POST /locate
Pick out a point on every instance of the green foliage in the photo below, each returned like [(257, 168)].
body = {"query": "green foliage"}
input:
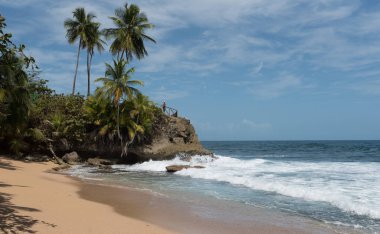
[(38, 87), (118, 110), (32, 115), (117, 83), (129, 33), (136, 117), (61, 116), (17, 145), (15, 98)]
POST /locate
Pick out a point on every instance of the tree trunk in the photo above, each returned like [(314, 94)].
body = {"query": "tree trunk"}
[(88, 73), (118, 132), (76, 68), (92, 54)]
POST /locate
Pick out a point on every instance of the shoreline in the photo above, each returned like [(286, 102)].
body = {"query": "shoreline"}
[(197, 216), (58, 202), (34, 200)]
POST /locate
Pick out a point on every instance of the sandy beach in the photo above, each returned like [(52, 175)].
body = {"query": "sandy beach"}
[(32, 200)]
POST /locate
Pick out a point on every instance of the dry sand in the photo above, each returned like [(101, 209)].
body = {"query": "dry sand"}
[(32, 200)]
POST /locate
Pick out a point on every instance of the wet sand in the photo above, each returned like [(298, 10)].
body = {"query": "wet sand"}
[(198, 216)]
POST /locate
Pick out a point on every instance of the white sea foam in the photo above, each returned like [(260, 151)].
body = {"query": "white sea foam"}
[(350, 186)]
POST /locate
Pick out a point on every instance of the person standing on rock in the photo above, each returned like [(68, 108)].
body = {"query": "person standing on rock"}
[(164, 106)]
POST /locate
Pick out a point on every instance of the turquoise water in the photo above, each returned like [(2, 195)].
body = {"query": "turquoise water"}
[(335, 182)]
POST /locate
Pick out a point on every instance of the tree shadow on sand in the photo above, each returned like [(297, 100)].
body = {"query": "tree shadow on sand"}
[(10, 220), (7, 165)]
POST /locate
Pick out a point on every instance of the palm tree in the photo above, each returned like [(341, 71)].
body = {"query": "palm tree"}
[(78, 28), (129, 34), (94, 40), (118, 86)]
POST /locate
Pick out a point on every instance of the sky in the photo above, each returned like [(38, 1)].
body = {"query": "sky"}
[(238, 69)]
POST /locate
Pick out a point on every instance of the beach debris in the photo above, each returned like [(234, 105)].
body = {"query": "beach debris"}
[(71, 158), (175, 168)]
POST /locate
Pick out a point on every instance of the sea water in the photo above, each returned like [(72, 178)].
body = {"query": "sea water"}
[(334, 182)]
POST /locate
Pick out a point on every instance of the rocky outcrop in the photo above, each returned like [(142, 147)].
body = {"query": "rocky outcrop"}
[(171, 136)]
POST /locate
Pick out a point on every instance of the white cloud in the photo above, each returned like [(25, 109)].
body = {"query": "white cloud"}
[(163, 93), (367, 87), (275, 87)]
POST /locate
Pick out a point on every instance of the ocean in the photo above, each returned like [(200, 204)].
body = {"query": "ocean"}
[(333, 182)]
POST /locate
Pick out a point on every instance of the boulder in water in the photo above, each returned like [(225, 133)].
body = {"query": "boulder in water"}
[(175, 168)]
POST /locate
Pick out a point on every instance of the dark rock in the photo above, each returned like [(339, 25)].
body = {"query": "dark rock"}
[(71, 158), (98, 162), (175, 168)]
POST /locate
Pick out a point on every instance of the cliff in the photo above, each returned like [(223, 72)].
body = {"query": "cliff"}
[(171, 136)]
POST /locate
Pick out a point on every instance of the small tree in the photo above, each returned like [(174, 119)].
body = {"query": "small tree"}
[(118, 86)]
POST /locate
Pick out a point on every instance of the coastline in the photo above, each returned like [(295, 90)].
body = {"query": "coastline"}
[(47, 202), (34, 200)]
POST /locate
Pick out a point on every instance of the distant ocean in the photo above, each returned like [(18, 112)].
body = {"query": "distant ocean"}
[(334, 182)]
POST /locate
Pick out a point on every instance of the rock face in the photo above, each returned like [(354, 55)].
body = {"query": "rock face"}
[(171, 136)]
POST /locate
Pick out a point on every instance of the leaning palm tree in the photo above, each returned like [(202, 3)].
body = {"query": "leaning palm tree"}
[(129, 34), (78, 28), (94, 40), (117, 87)]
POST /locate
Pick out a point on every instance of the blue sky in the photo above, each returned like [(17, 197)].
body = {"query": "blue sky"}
[(239, 70)]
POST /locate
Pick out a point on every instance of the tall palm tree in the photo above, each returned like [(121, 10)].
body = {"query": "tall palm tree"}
[(94, 40), (118, 86), (129, 34), (78, 28)]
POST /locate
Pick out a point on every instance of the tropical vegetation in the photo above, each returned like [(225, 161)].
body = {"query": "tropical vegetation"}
[(34, 118)]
